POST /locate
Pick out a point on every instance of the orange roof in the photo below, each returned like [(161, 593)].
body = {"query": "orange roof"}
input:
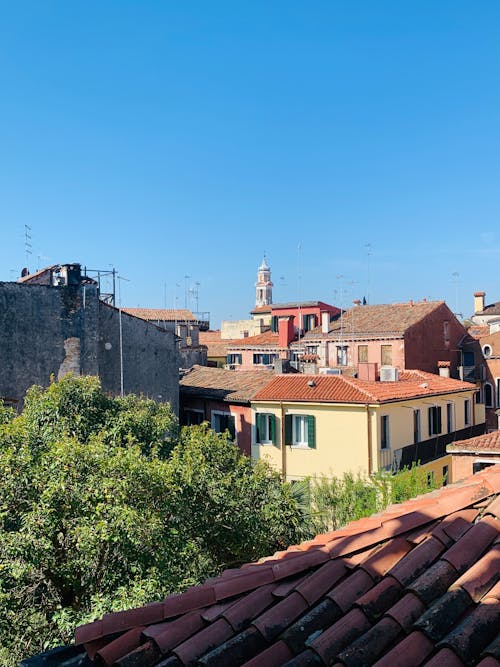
[(261, 309), (482, 444), (221, 384), (162, 314), (267, 339), (478, 330), (342, 389), (418, 584)]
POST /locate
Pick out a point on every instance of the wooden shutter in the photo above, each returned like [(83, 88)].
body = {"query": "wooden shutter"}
[(438, 420), (430, 421), (311, 432), (288, 430), (258, 427), (272, 427), (386, 355)]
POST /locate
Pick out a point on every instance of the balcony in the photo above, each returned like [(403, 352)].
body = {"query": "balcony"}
[(471, 373)]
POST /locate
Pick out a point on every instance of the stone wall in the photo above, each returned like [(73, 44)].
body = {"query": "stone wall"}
[(45, 331)]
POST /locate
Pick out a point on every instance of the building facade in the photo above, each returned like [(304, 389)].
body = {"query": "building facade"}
[(311, 425), (54, 323)]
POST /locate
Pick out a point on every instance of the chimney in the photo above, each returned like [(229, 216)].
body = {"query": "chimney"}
[(357, 302), (444, 369), (286, 332), (325, 323), (411, 302), (479, 301)]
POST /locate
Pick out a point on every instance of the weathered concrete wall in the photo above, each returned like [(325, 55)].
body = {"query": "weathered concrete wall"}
[(150, 357), (45, 331)]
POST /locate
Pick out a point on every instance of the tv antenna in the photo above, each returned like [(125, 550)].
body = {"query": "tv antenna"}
[(28, 248)]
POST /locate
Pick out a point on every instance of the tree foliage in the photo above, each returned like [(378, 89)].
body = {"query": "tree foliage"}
[(105, 505), (337, 500)]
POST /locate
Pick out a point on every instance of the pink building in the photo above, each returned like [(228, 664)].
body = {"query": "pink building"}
[(221, 398), (424, 335)]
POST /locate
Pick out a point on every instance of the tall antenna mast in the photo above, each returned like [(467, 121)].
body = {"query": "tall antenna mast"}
[(299, 295), (456, 280), (368, 246), (27, 245)]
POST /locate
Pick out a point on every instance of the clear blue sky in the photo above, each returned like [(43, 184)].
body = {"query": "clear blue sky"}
[(186, 138)]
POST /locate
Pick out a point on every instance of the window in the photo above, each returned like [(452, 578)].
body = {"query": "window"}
[(384, 432), (434, 420), (498, 392), (264, 358), (481, 465), (311, 349), (386, 355), (446, 333), (300, 431), (222, 422), (309, 322), (265, 428), (192, 417), (341, 355), (233, 359), (488, 395), (274, 324), (487, 351), (362, 354), (445, 475), (417, 433), (450, 421), (467, 412)]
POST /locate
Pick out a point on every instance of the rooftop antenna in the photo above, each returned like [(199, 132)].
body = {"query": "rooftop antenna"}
[(456, 279), (340, 277), (368, 247), (186, 290), (299, 295), (27, 244), (120, 278)]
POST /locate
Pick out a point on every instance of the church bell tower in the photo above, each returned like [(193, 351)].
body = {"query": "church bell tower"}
[(263, 286)]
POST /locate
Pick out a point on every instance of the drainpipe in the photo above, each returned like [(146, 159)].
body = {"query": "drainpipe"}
[(369, 434), (283, 445)]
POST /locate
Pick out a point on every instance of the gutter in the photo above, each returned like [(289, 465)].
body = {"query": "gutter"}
[(369, 434), (283, 444)]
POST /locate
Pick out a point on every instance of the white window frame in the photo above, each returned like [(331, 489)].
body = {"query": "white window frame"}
[(488, 354), (267, 441), (450, 424), (497, 392), (299, 432), (225, 414)]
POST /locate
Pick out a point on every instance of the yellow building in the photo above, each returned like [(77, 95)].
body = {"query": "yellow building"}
[(336, 424)]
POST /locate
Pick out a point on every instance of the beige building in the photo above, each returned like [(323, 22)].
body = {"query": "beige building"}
[(336, 424)]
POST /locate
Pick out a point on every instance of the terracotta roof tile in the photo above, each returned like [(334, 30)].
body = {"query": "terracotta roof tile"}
[(373, 591), (342, 389), (488, 442), (162, 314), (225, 385), (395, 318), (265, 339)]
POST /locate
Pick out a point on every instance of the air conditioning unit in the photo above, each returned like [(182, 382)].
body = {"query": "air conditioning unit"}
[(330, 371), (389, 374)]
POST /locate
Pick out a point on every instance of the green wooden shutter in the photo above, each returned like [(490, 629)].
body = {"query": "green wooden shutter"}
[(288, 430), (311, 432), (272, 425), (258, 427), (430, 421)]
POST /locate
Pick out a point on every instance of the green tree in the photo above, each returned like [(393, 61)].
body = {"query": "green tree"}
[(104, 506)]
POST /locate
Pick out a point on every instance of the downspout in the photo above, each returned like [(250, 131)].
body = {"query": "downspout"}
[(369, 434), (283, 444)]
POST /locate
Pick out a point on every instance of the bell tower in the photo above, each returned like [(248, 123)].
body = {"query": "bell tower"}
[(263, 286)]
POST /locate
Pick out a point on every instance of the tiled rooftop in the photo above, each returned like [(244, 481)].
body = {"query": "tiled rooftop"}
[(478, 330), (393, 318), (266, 339), (418, 584), (483, 444), (162, 314), (491, 309), (218, 383), (343, 389), (216, 346)]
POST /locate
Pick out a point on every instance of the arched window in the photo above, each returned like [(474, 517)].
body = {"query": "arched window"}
[(487, 351)]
